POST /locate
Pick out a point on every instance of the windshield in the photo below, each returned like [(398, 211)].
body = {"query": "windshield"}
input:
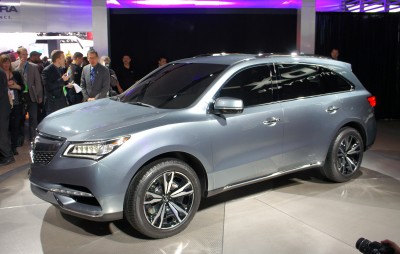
[(174, 86)]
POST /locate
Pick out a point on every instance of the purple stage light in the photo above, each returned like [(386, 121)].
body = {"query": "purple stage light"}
[(183, 3), (320, 5), (204, 4)]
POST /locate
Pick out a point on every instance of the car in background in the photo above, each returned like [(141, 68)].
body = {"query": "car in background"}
[(197, 127)]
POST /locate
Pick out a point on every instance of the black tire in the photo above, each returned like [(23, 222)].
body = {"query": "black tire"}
[(344, 156), (172, 191)]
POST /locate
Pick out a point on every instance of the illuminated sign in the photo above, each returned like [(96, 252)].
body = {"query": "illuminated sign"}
[(9, 11), (5, 8)]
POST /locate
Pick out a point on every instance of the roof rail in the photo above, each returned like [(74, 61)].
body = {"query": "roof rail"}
[(294, 54)]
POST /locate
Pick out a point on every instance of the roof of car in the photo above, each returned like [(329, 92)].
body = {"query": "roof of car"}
[(232, 58)]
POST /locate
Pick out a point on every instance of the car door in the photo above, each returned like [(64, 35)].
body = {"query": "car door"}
[(247, 145), (312, 113)]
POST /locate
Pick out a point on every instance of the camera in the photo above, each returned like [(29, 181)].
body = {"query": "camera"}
[(367, 247)]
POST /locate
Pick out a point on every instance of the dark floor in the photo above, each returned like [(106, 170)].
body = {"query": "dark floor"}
[(298, 213)]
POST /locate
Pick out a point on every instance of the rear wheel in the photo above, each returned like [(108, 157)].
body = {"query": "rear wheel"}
[(344, 156), (163, 198)]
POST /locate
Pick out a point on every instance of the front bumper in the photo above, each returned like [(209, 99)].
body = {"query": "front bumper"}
[(85, 188), (72, 201)]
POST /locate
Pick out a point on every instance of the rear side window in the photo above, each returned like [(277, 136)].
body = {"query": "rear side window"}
[(302, 80), (252, 85)]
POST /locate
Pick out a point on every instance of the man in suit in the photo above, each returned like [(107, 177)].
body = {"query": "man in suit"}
[(95, 81), (54, 82), (33, 90), (6, 154)]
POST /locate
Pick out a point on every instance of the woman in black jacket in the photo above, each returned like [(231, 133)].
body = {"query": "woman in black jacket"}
[(15, 86)]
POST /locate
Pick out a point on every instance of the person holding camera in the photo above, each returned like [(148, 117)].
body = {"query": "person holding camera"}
[(392, 245), (384, 247)]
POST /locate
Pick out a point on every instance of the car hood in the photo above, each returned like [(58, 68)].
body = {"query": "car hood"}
[(98, 119)]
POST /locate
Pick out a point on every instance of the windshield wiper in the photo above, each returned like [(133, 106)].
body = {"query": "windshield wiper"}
[(141, 104)]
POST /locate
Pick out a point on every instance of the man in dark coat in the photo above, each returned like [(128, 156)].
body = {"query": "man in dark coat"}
[(6, 154), (54, 82), (75, 70)]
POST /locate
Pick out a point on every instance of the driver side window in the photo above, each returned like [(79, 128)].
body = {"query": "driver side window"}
[(252, 85)]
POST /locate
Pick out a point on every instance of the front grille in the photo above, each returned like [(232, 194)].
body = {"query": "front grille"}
[(45, 147), (43, 157)]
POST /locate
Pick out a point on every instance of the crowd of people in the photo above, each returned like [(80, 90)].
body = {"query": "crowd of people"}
[(31, 87)]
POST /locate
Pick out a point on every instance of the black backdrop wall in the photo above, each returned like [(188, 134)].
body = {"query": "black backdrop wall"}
[(183, 34), (371, 43)]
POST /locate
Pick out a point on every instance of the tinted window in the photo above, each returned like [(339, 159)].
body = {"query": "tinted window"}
[(253, 86), (300, 80), (174, 86)]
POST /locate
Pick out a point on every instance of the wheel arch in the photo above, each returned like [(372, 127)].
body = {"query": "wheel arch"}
[(358, 127), (191, 160)]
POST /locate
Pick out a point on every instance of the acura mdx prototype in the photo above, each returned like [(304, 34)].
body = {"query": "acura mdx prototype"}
[(197, 127)]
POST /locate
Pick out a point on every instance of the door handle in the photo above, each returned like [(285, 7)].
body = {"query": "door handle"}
[(332, 109), (271, 121)]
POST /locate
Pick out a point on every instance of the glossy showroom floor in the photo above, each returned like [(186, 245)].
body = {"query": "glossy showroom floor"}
[(297, 213)]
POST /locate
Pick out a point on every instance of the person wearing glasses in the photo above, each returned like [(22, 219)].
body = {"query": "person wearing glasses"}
[(95, 80)]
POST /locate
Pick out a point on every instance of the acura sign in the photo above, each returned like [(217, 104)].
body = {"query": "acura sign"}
[(10, 13)]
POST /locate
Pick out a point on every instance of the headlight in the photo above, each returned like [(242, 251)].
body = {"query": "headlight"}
[(94, 150)]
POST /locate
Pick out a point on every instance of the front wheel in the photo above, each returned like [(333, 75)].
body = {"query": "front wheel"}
[(163, 198), (344, 156)]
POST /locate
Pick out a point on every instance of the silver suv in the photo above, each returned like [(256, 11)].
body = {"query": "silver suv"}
[(197, 127)]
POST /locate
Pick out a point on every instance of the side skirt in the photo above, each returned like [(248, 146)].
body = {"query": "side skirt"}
[(263, 178)]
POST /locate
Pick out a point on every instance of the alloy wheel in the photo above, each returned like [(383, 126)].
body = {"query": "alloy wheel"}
[(168, 200), (348, 156)]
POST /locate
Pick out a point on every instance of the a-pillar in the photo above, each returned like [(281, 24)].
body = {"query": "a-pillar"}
[(306, 27), (100, 27)]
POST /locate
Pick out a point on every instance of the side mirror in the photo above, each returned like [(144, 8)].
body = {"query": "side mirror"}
[(228, 105)]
